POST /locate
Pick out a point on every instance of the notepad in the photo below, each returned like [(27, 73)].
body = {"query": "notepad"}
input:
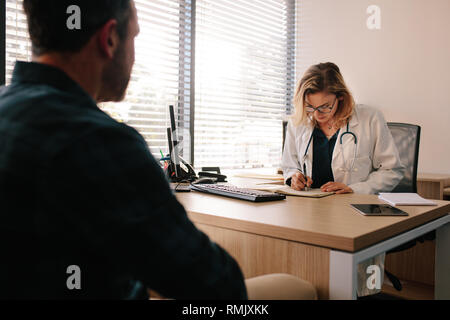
[(276, 177), (405, 199), (314, 193)]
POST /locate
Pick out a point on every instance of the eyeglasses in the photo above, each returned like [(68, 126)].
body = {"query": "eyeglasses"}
[(322, 109)]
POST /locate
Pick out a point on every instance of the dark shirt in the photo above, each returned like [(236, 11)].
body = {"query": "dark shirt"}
[(322, 157), (79, 188)]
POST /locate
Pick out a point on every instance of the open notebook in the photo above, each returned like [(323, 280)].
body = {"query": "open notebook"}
[(314, 193), (275, 177)]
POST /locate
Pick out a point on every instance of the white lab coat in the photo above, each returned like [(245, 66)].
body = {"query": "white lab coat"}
[(377, 167)]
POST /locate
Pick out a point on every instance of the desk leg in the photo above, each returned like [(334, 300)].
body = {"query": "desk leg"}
[(442, 264), (343, 276)]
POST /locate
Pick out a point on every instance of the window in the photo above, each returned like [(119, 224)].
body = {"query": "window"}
[(18, 46), (245, 53), (161, 75), (244, 76)]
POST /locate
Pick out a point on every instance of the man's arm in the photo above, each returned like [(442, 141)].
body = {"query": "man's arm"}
[(113, 193)]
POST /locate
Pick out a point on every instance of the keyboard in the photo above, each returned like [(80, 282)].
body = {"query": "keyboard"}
[(238, 193)]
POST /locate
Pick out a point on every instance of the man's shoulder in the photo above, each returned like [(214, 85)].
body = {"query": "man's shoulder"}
[(53, 119), (40, 99), (46, 105)]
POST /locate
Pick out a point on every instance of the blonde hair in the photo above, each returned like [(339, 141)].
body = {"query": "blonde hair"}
[(323, 77)]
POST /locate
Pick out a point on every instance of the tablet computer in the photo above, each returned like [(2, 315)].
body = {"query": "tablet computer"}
[(378, 210)]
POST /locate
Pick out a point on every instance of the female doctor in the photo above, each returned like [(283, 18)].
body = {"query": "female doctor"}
[(335, 145)]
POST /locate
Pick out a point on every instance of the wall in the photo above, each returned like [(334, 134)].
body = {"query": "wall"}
[(403, 68)]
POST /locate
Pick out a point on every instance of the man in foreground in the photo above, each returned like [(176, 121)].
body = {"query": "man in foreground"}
[(81, 193)]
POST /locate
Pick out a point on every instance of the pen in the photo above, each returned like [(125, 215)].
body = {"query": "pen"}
[(305, 175)]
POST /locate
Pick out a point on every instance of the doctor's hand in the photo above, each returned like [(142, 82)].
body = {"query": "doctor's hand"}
[(336, 187), (299, 182)]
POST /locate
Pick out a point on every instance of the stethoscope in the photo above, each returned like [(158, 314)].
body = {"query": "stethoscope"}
[(347, 132)]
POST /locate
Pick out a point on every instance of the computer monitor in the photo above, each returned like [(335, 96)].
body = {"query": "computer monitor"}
[(174, 154), (182, 169), (171, 151)]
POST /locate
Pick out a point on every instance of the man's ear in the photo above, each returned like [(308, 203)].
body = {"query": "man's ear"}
[(108, 39)]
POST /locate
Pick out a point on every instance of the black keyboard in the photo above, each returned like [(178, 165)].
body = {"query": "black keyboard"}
[(238, 193)]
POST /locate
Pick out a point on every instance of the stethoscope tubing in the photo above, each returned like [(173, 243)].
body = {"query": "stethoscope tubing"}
[(340, 141)]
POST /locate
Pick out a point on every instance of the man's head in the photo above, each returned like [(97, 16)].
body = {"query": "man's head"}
[(104, 41)]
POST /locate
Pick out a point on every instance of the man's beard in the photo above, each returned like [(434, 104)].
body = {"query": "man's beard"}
[(115, 78)]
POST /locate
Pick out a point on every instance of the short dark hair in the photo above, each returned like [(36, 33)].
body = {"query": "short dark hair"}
[(47, 22)]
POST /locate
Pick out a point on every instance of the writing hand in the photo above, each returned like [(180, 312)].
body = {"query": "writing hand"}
[(299, 182)]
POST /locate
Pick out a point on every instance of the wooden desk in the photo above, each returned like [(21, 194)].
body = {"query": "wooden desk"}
[(431, 186), (421, 256), (320, 240), (447, 193)]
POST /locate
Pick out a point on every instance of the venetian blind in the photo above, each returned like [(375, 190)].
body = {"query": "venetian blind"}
[(245, 69), (18, 46), (161, 75)]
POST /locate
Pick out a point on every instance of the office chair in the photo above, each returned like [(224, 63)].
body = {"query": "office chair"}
[(407, 140)]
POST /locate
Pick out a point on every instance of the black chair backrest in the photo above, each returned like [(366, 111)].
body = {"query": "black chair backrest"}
[(407, 140)]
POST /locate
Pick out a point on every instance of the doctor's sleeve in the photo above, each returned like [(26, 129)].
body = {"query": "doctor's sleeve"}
[(387, 168), (290, 160)]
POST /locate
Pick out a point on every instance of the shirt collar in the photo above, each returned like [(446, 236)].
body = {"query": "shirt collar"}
[(39, 73)]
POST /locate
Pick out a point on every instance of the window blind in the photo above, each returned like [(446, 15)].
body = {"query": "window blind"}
[(244, 80), (245, 69), (160, 77), (18, 46)]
